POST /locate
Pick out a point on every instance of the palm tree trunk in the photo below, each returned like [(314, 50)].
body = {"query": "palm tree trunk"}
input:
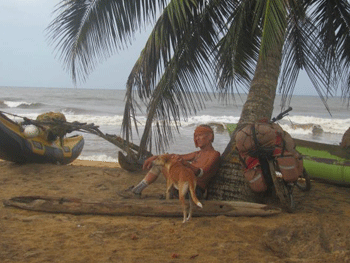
[(230, 183)]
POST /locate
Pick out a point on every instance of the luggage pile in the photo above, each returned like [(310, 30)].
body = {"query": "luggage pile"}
[(53, 127), (264, 138)]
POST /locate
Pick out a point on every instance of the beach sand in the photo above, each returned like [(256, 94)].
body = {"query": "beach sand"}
[(319, 230)]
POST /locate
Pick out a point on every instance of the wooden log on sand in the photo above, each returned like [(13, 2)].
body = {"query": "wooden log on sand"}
[(139, 207)]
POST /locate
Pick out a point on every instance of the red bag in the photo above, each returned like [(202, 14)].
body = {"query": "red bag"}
[(288, 167), (254, 175), (256, 179)]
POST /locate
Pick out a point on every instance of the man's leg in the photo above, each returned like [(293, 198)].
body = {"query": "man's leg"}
[(136, 191), (150, 177)]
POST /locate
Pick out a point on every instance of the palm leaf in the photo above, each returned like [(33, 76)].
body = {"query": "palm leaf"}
[(238, 49), (302, 50), (87, 32), (272, 15), (333, 19), (183, 86)]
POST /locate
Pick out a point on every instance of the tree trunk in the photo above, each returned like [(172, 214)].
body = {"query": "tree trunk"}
[(230, 183)]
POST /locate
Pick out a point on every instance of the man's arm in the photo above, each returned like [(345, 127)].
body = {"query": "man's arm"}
[(209, 161), (187, 157), (204, 165), (148, 162), (209, 164)]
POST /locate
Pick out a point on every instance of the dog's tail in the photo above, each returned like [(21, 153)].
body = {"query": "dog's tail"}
[(192, 187)]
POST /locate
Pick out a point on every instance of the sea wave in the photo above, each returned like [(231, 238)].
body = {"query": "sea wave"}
[(2, 104), (97, 120), (23, 104), (307, 124), (303, 125), (74, 111), (116, 120), (208, 119)]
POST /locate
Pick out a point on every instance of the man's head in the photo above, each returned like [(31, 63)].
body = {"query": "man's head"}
[(203, 135)]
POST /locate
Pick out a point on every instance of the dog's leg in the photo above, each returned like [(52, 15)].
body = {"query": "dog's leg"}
[(183, 189), (182, 194), (192, 199), (191, 208), (169, 186), (183, 204)]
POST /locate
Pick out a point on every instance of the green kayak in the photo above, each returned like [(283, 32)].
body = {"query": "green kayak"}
[(325, 162), (330, 163)]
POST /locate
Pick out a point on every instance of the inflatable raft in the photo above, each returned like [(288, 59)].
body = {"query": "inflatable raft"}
[(16, 147)]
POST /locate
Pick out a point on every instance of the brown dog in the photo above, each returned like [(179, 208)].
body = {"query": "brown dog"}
[(182, 178)]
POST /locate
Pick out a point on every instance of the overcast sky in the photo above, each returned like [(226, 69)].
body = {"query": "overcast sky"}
[(27, 60)]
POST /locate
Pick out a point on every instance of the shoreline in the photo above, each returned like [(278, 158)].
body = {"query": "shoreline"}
[(78, 162)]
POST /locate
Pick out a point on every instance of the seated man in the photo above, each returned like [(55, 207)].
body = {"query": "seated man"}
[(204, 163)]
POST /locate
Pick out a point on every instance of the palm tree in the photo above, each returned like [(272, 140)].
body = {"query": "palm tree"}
[(199, 44)]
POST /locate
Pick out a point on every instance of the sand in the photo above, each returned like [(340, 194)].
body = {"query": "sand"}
[(319, 230)]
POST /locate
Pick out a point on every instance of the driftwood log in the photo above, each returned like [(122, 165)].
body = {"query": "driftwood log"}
[(139, 207)]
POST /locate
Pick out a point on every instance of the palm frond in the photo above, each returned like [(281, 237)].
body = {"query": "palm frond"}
[(272, 15), (332, 18), (159, 48), (345, 59), (86, 32), (302, 50), (154, 57), (181, 91), (182, 88), (238, 49)]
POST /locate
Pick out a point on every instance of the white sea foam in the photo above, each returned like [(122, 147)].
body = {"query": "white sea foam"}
[(99, 158), (300, 131), (201, 119), (14, 104), (328, 125), (115, 120), (19, 118)]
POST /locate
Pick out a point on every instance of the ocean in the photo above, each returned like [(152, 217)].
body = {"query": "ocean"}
[(309, 119)]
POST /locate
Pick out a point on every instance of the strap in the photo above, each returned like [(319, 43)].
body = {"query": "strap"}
[(242, 160), (254, 136), (283, 146)]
